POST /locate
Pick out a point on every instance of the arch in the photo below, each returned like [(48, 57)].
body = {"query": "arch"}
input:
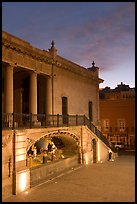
[(65, 143), (53, 134)]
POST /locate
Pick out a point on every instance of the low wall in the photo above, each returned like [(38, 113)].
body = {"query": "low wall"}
[(49, 170)]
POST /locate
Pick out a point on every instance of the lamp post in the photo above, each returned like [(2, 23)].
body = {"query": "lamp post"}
[(53, 51), (52, 87)]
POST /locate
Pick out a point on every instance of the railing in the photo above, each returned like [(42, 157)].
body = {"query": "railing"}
[(24, 121), (98, 133), (20, 120)]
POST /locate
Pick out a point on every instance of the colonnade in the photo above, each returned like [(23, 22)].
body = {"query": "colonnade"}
[(9, 90)]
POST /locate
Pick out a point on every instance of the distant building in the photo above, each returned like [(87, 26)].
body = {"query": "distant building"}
[(117, 114)]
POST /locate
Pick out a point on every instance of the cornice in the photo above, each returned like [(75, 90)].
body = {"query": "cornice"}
[(44, 56), (26, 51)]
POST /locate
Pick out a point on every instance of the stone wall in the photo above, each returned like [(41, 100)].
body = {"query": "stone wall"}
[(81, 135), (7, 162), (50, 170), (79, 91)]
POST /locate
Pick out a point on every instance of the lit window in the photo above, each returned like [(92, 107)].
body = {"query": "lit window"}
[(106, 124), (121, 124)]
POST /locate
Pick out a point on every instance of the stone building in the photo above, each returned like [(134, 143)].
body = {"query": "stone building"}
[(39, 81), (117, 114), (46, 96)]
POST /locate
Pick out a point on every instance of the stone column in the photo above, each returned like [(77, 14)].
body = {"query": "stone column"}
[(8, 92), (33, 93), (8, 102)]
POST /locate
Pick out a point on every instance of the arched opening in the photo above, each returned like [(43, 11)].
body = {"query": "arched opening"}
[(52, 147), (94, 151)]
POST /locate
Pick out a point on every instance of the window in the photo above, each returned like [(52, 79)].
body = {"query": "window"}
[(65, 109), (64, 105), (121, 124), (90, 110), (106, 124)]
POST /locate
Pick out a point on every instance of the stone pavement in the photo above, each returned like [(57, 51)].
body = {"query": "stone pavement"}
[(111, 181)]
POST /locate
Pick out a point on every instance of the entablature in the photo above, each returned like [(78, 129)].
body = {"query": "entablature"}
[(44, 56)]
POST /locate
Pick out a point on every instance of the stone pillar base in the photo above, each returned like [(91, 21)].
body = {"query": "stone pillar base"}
[(20, 181), (36, 124)]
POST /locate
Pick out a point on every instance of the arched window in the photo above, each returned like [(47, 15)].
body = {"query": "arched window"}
[(64, 109), (64, 105), (90, 110)]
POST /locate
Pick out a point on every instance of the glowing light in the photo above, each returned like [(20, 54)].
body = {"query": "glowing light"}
[(22, 181), (20, 157), (86, 159), (20, 154)]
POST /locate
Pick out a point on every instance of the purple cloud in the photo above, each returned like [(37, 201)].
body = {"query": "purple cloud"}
[(82, 31)]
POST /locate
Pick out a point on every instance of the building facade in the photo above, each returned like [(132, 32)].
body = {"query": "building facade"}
[(117, 114), (46, 96), (41, 82)]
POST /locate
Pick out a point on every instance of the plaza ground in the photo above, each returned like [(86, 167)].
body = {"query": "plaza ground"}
[(111, 181)]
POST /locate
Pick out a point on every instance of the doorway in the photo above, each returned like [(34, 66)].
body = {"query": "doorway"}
[(65, 109), (94, 151)]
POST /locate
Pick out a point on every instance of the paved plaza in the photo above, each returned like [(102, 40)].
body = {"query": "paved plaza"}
[(111, 181)]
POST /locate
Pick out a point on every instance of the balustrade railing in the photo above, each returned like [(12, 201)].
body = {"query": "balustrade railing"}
[(20, 120), (97, 132), (24, 121)]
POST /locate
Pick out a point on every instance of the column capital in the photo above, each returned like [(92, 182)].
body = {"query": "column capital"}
[(12, 64), (35, 72)]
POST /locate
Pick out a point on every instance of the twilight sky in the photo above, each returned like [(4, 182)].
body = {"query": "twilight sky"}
[(82, 31)]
